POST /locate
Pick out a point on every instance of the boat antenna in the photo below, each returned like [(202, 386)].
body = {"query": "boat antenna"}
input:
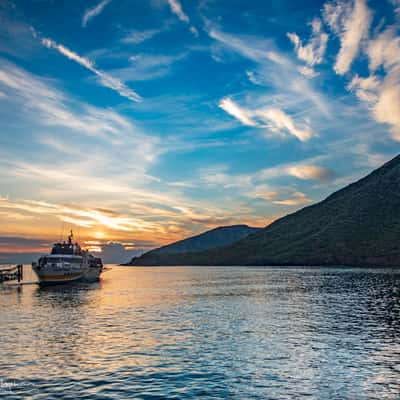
[(70, 237)]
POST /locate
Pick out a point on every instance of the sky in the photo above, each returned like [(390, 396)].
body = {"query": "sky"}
[(139, 123)]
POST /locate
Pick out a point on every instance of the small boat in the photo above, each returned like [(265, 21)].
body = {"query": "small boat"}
[(66, 263)]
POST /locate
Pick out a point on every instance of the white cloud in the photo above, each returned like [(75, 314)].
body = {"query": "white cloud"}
[(313, 52), (351, 22), (266, 183), (104, 78), (102, 151), (382, 94), (93, 12), (194, 30), (253, 48), (335, 12), (296, 199), (279, 196), (137, 37), (396, 6), (366, 89), (176, 8), (68, 53), (310, 172), (243, 115), (273, 119), (384, 50), (144, 67), (274, 70), (278, 121), (388, 105), (308, 71), (298, 170), (48, 106)]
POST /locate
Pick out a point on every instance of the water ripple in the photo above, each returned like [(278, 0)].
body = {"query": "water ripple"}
[(205, 333)]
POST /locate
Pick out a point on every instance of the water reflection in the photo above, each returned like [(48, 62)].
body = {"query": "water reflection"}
[(206, 333)]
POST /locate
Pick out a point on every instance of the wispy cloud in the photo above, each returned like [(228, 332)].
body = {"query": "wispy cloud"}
[(366, 89), (285, 197), (47, 106), (396, 6), (137, 37), (241, 114), (145, 67), (104, 78), (312, 172), (381, 91), (258, 185), (266, 183), (313, 52), (279, 121), (115, 174), (176, 8), (273, 119), (251, 47), (351, 22), (93, 12), (274, 70)]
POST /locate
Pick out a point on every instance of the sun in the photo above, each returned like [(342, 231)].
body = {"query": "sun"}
[(99, 235)]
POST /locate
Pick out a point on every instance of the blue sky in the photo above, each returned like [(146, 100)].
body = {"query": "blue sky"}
[(146, 121)]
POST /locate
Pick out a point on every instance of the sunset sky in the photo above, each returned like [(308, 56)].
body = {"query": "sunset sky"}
[(142, 122)]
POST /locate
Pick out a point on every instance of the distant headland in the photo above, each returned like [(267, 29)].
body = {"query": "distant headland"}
[(358, 225)]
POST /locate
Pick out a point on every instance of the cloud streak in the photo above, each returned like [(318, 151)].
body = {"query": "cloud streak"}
[(93, 12), (274, 70), (351, 22), (313, 52), (137, 37), (381, 92), (176, 8), (104, 78), (273, 119)]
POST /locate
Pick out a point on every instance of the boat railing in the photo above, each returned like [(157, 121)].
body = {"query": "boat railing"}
[(10, 272)]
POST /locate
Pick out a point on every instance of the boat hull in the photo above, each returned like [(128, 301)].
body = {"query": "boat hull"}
[(92, 274), (51, 277), (67, 263), (51, 280)]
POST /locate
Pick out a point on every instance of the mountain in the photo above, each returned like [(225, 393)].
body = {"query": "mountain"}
[(358, 225), (217, 237)]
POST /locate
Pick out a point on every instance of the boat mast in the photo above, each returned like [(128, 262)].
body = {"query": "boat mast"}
[(70, 237)]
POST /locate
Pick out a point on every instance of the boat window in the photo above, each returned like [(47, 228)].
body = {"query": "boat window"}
[(52, 259)]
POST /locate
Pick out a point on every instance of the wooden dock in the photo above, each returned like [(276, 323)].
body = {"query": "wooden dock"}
[(11, 273)]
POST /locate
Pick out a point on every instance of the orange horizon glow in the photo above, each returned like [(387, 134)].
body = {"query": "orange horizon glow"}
[(93, 227)]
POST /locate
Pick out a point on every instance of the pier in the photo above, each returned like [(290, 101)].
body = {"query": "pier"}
[(11, 273)]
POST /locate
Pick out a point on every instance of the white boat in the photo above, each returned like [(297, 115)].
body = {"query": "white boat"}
[(67, 262)]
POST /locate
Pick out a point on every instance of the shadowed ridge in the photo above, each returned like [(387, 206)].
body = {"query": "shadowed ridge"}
[(357, 225), (217, 237)]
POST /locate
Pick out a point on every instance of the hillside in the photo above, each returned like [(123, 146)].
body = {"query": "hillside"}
[(218, 237), (357, 225)]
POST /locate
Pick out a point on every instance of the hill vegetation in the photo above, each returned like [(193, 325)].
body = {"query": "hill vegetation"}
[(358, 225)]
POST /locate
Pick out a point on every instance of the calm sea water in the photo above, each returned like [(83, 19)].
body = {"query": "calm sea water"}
[(205, 333)]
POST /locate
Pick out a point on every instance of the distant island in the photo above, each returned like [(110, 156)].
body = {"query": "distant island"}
[(217, 237), (358, 225)]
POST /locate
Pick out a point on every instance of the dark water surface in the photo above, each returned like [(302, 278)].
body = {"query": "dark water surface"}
[(205, 333)]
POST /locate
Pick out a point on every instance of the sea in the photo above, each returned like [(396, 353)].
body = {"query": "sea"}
[(204, 333)]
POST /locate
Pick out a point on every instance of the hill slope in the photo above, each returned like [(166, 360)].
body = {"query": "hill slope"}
[(218, 237), (357, 225)]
